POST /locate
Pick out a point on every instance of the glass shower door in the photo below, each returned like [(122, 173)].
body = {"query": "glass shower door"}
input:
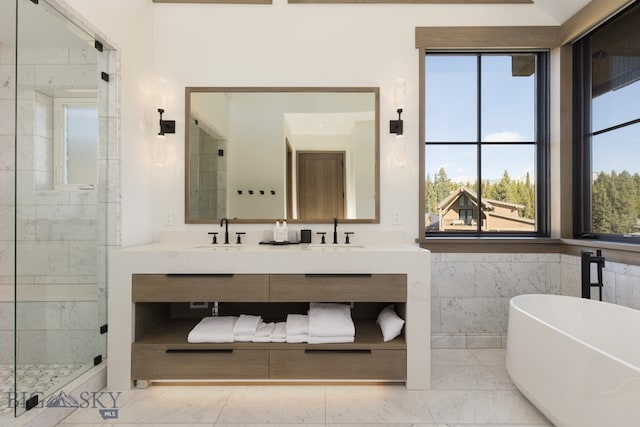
[(59, 223)]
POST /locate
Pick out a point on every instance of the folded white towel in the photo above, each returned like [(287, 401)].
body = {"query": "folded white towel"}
[(292, 339), (213, 329), (264, 329), (262, 339), (246, 325), (297, 324), (330, 340), (279, 333), (330, 320)]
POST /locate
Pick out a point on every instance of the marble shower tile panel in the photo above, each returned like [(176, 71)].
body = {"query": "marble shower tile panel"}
[(83, 56), (453, 279), (7, 81), (53, 258), (6, 347), (82, 197), (468, 315), (43, 116), (571, 279), (506, 280), (43, 180), (435, 316), (65, 230), (66, 76), (26, 224), (41, 347), (42, 154), (7, 215), (38, 315), (7, 143), (6, 316), (35, 55), (628, 291), (6, 258), (484, 340), (553, 279), (77, 279), (83, 258), (8, 114)]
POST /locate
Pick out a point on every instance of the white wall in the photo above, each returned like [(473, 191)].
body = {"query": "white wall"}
[(307, 45), (128, 25)]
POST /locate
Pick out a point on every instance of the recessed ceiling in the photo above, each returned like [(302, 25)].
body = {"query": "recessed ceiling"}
[(560, 10)]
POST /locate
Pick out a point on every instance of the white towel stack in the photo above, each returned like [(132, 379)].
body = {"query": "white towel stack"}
[(297, 327), (264, 331), (330, 323), (213, 330), (245, 328), (279, 333)]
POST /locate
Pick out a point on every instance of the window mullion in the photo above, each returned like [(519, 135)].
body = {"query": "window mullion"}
[(479, 143)]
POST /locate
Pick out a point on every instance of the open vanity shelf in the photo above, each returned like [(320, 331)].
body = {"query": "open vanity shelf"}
[(164, 318)]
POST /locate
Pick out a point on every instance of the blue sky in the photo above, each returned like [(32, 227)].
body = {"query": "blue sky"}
[(508, 115)]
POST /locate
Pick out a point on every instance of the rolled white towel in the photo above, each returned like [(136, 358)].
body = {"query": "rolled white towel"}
[(297, 324), (279, 333), (330, 320), (246, 325), (216, 329), (298, 338), (330, 340)]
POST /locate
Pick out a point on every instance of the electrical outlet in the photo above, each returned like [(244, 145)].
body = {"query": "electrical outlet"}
[(168, 218), (397, 217)]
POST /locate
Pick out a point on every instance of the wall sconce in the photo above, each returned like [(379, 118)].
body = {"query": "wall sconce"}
[(396, 126), (166, 126), (399, 94)]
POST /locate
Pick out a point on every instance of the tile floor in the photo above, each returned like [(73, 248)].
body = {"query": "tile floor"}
[(34, 378), (469, 388)]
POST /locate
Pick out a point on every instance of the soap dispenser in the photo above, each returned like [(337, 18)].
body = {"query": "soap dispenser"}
[(276, 232), (285, 231)]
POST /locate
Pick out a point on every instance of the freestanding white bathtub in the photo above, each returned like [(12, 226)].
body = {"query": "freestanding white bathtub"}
[(576, 360)]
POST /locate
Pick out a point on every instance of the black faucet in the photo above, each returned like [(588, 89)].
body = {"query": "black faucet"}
[(225, 221), (335, 231)]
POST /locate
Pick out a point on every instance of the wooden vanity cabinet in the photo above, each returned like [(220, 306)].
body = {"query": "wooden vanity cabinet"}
[(160, 349)]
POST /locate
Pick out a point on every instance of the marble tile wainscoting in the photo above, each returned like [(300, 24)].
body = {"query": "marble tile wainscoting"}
[(471, 292)]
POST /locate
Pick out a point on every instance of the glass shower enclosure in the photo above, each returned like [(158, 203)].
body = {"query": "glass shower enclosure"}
[(57, 157)]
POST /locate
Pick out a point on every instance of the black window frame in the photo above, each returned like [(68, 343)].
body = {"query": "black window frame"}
[(582, 134), (542, 144)]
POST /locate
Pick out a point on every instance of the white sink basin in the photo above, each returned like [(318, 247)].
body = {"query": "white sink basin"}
[(334, 247), (220, 247)]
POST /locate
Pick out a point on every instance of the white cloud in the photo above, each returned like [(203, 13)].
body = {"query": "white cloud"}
[(504, 136)]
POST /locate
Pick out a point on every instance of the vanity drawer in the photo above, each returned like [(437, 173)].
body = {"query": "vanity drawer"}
[(185, 363), (339, 364), (339, 287), (200, 287)]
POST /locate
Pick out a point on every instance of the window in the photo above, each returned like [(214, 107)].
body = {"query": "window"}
[(75, 142), (486, 143), (607, 130)]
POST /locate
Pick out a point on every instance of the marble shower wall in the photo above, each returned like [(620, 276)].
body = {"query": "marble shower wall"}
[(470, 292), (58, 248)]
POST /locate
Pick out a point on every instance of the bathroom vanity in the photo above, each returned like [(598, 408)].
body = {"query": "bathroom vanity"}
[(159, 292)]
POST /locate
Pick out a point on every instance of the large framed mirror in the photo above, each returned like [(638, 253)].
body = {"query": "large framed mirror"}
[(304, 154)]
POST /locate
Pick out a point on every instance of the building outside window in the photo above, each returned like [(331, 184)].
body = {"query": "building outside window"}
[(486, 147), (607, 130)]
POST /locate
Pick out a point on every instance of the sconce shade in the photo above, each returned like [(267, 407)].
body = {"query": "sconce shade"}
[(397, 126), (166, 126)]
